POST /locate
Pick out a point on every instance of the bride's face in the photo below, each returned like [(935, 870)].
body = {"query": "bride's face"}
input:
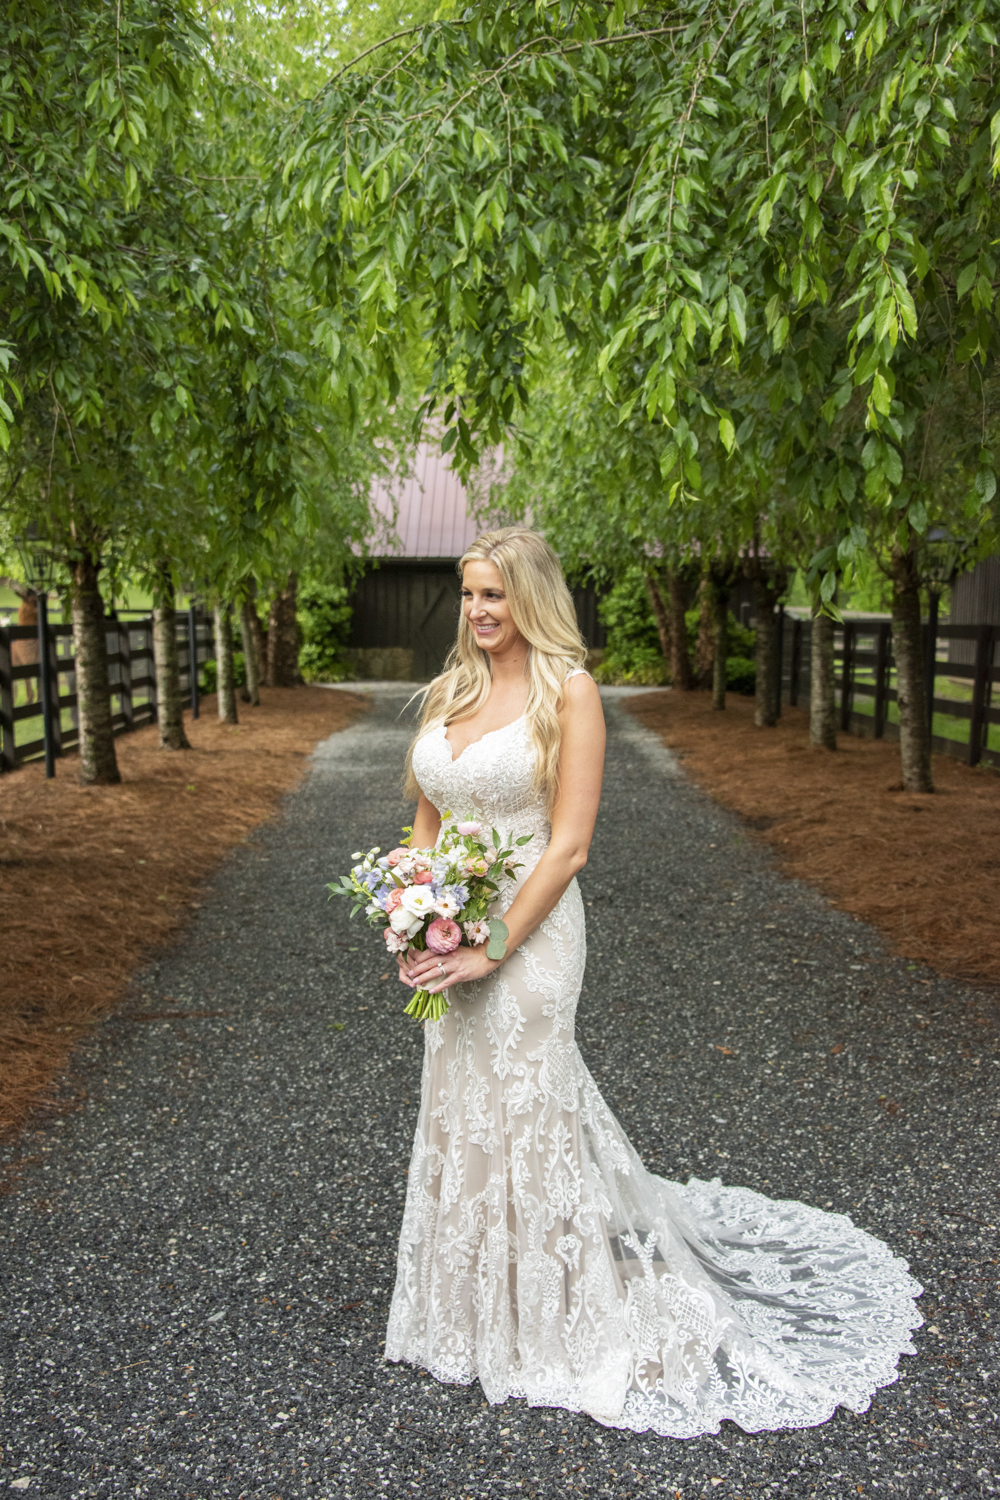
[(484, 604)]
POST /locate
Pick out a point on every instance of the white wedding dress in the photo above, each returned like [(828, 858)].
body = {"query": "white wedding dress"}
[(538, 1254)]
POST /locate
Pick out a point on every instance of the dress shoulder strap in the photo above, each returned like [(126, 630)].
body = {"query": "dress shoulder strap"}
[(576, 672)]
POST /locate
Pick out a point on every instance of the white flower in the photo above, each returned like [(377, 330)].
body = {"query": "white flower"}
[(447, 906), (403, 922), (356, 854), (372, 908), (417, 900), (477, 932), (396, 942)]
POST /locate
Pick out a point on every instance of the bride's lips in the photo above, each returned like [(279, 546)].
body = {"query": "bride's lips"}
[(485, 627)]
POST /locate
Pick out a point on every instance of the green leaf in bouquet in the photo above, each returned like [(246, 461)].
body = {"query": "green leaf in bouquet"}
[(525, 838), (496, 948), (496, 839)]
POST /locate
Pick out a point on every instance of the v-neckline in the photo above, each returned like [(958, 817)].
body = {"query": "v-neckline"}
[(503, 727)]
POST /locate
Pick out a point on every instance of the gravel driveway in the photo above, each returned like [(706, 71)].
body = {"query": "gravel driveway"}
[(195, 1266)]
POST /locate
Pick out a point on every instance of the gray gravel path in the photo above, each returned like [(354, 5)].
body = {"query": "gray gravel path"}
[(195, 1266)]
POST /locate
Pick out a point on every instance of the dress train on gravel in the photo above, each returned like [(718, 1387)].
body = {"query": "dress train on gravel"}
[(539, 1256)]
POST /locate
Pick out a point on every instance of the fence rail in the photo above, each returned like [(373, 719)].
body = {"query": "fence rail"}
[(962, 664), (27, 712)]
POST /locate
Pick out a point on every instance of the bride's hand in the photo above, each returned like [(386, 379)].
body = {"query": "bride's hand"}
[(434, 972)]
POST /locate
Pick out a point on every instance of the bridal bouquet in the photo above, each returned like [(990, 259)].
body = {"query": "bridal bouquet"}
[(435, 898)]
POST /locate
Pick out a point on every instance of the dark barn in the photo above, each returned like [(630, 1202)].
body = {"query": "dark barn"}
[(407, 603)]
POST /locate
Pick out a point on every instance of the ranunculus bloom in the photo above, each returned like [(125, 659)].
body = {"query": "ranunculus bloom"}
[(472, 829), (394, 897), (395, 855), (443, 935), (423, 877)]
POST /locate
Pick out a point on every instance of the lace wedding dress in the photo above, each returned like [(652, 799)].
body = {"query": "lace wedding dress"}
[(538, 1254)]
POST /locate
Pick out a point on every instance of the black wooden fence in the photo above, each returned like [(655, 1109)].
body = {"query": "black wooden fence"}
[(130, 668), (961, 666)]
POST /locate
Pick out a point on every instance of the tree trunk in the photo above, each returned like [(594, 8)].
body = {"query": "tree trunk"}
[(169, 713), (704, 650), (98, 762), (680, 661), (283, 638), (822, 689), (659, 614), (721, 648), (769, 583), (907, 646), (224, 665), (247, 616)]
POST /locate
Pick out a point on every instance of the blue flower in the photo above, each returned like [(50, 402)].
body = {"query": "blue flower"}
[(459, 893)]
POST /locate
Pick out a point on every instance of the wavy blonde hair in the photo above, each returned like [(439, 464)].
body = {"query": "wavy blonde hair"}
[(541, 607)]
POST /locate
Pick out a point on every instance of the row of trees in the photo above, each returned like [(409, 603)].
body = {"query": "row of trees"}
[(720, 277), (180, 405), (726, 272)]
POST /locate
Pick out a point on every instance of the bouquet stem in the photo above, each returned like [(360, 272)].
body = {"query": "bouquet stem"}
[(427, 1007)]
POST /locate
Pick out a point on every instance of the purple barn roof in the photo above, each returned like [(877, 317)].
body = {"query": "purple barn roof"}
[(432, 505)]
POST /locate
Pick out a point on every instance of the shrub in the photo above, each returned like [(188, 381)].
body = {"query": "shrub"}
[(208, 677), (741, 674), (632, 654), (324, 618)]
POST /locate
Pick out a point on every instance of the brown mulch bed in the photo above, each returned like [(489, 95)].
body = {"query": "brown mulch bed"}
[(925, 870), (93, 878)]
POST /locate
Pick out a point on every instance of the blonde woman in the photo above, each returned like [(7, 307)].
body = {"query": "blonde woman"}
[(537, 1254)]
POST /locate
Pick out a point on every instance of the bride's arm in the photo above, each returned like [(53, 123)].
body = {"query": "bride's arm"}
[(581, 765), (426, 825)]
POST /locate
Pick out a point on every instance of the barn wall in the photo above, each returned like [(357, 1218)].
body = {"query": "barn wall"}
[(975, 600), (413, 605)]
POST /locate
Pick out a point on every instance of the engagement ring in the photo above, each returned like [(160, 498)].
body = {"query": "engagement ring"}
[(444, 971)]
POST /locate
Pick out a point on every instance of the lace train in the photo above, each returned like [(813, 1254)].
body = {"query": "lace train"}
[(538, 1255)]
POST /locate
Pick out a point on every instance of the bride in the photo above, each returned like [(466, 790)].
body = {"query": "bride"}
[(537, 1253)]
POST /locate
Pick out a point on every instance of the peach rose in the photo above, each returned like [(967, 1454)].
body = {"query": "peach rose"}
[(423, 877), (395, 855), (393, 899), (443, 935)]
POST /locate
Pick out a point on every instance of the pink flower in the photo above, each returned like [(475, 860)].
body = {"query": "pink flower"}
[(395, 855), (396, 942), (443, 935), (393, 899), (423, 877), (477, 932), (472, 829), (475, 865)]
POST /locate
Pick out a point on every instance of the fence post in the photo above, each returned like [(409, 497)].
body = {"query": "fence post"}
[(125, 672), (7, 758), (980, 687), (930, 654), (45, 685), (193, 659), (796, 664), (846, 685), (881, 677), (57, 738), (781, 654)]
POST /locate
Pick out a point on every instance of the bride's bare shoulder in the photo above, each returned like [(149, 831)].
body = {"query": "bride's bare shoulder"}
[(581, 697)]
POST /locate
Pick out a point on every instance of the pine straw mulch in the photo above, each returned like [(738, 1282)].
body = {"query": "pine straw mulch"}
[(925, 870), (93, 878)]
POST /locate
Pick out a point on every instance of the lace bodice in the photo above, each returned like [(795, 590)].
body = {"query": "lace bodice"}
[(491, 779), (539, 1255)]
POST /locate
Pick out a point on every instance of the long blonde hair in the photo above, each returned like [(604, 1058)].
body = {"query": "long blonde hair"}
[(541, 607)]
